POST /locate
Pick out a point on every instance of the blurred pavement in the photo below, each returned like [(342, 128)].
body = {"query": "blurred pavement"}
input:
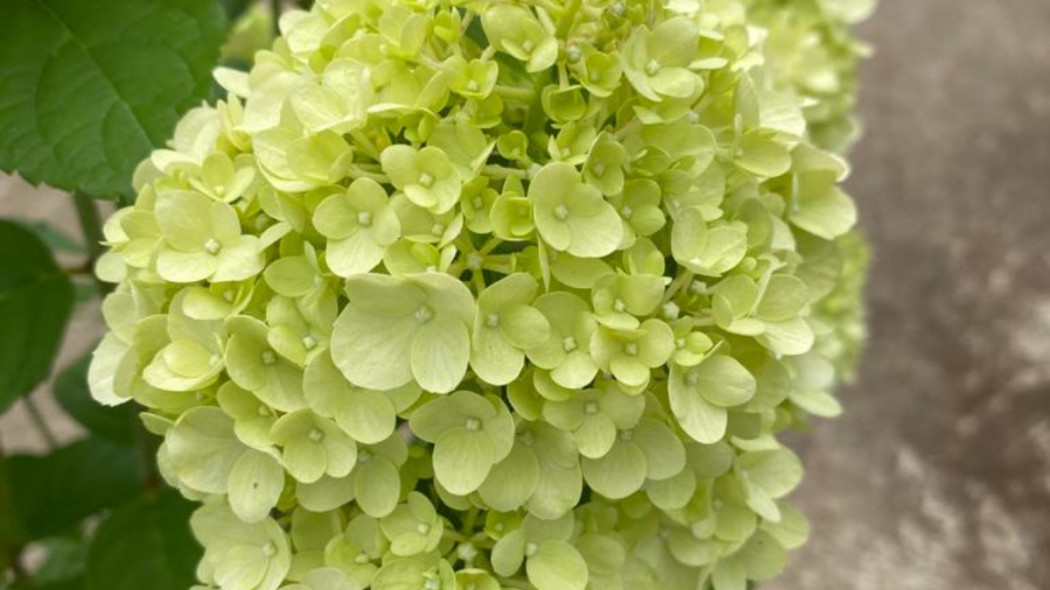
[(938, 475)]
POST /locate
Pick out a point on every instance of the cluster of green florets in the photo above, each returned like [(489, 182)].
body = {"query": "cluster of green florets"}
[(493, 294)]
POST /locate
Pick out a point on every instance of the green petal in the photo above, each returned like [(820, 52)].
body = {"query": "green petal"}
[(291, 277), (305, 460), (790, 338), (664, 453), (672, 493), (440, 352), (595, 436), (557, 565), (576, 372), (620, 473), (524, 326), (723, 381), (256, 483), (377, 486), (372, 351), (204, 449), (185, 267), (827, 213), (327, 493), (512, 481), (462, 460), (559, 490), (699, 419), (785, 296), (355, 254), (493, 358)]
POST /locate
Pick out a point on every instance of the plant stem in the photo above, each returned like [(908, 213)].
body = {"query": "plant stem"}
[(513, 93), (567, 18), (91, 227), (276, 9), (39, 423)]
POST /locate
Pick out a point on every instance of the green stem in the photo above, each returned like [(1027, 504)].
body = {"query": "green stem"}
[(276, 8), (494, 171), (513, 93), (567, 18), (91, 227), (39, 423)]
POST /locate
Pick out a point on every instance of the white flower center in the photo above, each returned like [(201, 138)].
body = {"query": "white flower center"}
[(568, 343), (228, 295), (268, 357), (561, 212), (590, 408), (423, 528), (619, 305), (477, 202), (530, 549), (627, 435), (652, 67), (269, 549), (364, 218), (595, 76), (364, 456), (492, 320), (630, 349), (309, 342), (599, 168), (692, 379), (467, 551), (213, 246), (475, 260), (437, 229), (472, 86), (315, 435), (424, 314), (671, 310), (362, 558), (618, 9), (426, 179), (473, 424), (528, 46), (573, 54), (627, 212)]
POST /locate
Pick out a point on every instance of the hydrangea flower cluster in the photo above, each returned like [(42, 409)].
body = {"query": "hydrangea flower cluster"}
[(489, 294)]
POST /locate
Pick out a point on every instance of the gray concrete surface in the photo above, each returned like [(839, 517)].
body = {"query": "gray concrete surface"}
[(938, 476)]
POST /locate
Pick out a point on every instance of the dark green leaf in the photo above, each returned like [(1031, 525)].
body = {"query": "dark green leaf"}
[(88, 88), (56, 239), (234, 8), (50, 494), (146, 544), (115, 424), (66, 560), (68, 584), (36, 298)]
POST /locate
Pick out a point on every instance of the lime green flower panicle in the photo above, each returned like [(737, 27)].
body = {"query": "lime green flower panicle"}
[(451, 295)]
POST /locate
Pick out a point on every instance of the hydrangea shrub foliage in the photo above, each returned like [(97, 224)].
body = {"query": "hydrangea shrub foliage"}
[(497, 294)]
